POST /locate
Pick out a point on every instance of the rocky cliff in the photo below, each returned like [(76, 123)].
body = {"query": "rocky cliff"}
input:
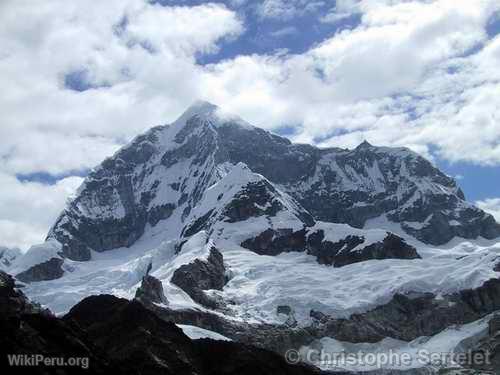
[(164, 173)]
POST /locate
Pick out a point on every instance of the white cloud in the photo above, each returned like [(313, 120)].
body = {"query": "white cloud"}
[(140, 88), (287, 9), (404, 76), (28, 209), (491, 206), (360, 83), (182, 30), (47, 127), (342, 9)]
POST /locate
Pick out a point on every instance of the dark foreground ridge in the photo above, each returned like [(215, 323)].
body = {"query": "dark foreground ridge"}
[(138, 337), (122, 337)]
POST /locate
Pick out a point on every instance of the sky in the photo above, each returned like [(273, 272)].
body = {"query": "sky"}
[(81, 78)]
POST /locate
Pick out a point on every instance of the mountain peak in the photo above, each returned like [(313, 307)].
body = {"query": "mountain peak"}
[(198, 108), (206, 110), (364, 145), (165, 174)]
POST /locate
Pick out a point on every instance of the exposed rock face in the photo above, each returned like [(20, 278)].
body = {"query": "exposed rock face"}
[(142, 342), (276, 337), (407, 317), (489, 345), (169, 168), (274, 242), (196, 277), (242, 196), (257, 199), (120, 197), (113, 335), (341, 253), (338, 254), (13, 301), (48, 270), (151, 290), (494, 325), (352, 186), (30, 330)]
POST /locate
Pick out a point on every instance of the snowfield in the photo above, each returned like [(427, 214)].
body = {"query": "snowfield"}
[(195, 333), (260, 283)]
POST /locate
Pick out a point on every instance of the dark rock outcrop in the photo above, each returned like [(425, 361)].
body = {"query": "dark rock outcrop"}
[(407, 317), (352, 186), (284, 309), (112, 335), (494, 325), (143, 342), (151, 290), (48, 270), (341, 253), (255, 199), (13, 302), (27, 329), (484, 349), (278, 338), (196, 277), (274, 242), (258, 199)]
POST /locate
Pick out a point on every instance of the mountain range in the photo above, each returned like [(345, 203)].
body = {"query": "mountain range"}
[(216, 225)]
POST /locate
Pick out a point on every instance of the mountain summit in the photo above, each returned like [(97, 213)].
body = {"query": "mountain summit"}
[(164, 173), (210, 221)]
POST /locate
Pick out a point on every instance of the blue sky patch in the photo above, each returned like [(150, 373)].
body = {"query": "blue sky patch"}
[(47, 178)]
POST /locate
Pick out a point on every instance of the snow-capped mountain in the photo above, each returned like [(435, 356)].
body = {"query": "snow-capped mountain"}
[(272, 243), (163, 175)]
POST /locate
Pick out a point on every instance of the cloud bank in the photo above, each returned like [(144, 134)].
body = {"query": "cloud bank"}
[(491, 206), (79, 79)]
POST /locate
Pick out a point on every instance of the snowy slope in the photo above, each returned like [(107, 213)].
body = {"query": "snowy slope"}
[(259, 284), (242, 204), (178, 179), (278, 213), (196, 333)]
